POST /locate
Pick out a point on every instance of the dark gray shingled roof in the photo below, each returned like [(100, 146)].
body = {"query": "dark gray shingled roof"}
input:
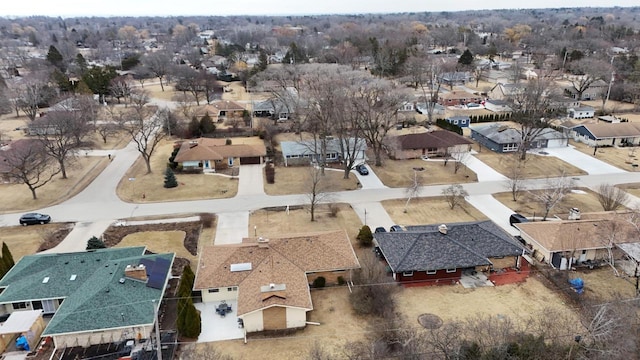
[(423, 248)]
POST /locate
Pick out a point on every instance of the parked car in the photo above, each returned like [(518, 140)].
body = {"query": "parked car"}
[(380, 229), (34, 218), (517, 218), (396, 228), (362, 170)]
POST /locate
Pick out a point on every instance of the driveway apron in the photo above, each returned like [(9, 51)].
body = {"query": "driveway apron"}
[(250, 180), (232, 227), (494, 210)]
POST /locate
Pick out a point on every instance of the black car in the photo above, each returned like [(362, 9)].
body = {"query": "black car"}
[(34, 218), (396, 228), (362, 170), (517, 218), (380, 229)]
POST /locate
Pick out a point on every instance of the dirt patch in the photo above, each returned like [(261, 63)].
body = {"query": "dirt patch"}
[(430, 321), (584, 199), (53, 237), (114, 234), (433, 210)]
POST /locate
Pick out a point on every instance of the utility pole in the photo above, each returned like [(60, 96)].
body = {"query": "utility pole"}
[(155, 319)]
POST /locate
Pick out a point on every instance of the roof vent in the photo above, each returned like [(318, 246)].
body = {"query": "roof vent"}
[(443, 229), (262, 242), (121, 281), (574, 214), (45, 280), (73, 277)]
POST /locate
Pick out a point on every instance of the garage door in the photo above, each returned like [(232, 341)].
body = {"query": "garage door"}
[(250, 160)]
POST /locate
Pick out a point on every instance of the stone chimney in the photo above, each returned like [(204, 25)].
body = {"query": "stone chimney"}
[(442, 229), (136, 272)]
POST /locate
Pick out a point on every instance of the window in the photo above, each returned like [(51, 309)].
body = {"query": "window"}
[(431, 272), (449, 271), (19, 305), (232, 288), (510, 147), (407, 273), (213, 290)]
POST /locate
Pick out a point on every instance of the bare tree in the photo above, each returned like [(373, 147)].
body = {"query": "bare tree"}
[(59, 136), (515, 182), (144, 128), (460, 158), (29, 164), (120, 87), (454, 195), (413, 190), (555, 190), (209, 352), (32, 92), (107, 130), (316, 189), (586, 72), (611, 197), (424, 72), (159, 64)]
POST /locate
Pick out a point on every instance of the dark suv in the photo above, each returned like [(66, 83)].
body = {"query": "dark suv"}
[(34, 218), (517, 218)]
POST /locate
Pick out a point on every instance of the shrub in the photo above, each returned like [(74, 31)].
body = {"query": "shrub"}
[(228, 142), (365, 237), (270, 173), (207, 220), (333, 210), (95, 243), (319, 282)]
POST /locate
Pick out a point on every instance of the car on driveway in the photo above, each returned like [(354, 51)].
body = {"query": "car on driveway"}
[(362, 170), (396, 228), (380, 229), (34, 218)]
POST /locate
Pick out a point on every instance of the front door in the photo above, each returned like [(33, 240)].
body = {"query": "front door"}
[(230, 161)]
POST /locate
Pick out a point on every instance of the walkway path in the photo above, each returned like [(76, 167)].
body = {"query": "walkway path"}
[(482, 170)]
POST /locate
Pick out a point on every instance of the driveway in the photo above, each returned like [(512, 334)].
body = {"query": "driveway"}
[(583, 161), (232, 227), (482, 170), (373, 214), (250, 180), (77, 239), (370, 181), (494, 210)]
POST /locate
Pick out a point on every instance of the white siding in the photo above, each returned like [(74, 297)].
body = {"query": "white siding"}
[(253, 321), (296, 318), (225, 293), (102, 337)]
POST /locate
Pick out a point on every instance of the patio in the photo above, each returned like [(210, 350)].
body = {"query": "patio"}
[(474, 279), (216, 327)]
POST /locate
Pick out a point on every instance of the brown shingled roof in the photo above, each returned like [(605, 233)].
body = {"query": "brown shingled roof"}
[(435, 139), (216, 149), (607, 130), (285, 260)]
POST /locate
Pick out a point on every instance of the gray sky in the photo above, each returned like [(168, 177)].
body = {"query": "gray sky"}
[(68, 8)]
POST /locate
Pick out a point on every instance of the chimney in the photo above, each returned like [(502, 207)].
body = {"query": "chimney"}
[(263, 243), (136, 272), (442, 229), (574, 214), (272, 286)]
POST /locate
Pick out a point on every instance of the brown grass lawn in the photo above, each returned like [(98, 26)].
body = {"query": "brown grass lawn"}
[(191, 186), (338, 325), (527, 206), (155, 91), (17, 197), (118, 141), (160, 242), (602, 285), (619, 157), (8, 125), (296, 180), (537, 166), (612, 105), (434, 210), (633, 189), (272, 223), (399, 173), (25, 240)]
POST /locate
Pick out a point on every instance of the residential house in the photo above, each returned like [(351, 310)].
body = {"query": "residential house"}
[(458, 97), (502, 91), (309, 151), (461, 121), (595, 91), (605, 134), (269, 279), (503, 138), (443, 253), (456, 78), (275, 109), (426, 144), (407, 106), (209, 155), (563, 102), (421, 108), (497, 105), (612, 119), (94, 297), (227, 109), (582, 112), (588, 237)]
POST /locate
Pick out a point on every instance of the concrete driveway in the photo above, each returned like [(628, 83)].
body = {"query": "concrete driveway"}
[(370, 181), (494, 210), (585, 162), (373, 214), (482, 170), (232, 227), (251, 181)]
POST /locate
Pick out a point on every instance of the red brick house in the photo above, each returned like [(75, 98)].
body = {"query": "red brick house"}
[(435, 143), (458, 97)]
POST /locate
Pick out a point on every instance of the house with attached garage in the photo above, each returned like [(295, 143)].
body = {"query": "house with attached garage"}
[(430, 254), (503, 138), (311, 151), (586, 238), (210, 155), (497, 105), (581, 112), (607, 134), (94, 297), (426, 144), (458, 97), (268, 280)]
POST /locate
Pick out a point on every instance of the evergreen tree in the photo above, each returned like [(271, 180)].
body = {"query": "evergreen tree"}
[(365, 237), (170, 178), (188, 323), (466, 58), (194, 127), (206, 125), (95, 243), (55, 58), (81, 62)]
